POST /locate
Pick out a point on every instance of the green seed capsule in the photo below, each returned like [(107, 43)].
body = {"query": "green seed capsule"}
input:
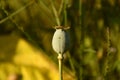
[(60, 41)]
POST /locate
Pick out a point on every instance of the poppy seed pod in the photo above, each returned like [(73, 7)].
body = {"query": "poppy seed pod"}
[(60, 41)]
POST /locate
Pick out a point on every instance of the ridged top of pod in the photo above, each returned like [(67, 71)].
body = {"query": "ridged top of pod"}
[(61, 27)]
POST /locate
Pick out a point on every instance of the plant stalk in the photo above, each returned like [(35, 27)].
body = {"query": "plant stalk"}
[(55, 13), (65, 13), (60, 58)]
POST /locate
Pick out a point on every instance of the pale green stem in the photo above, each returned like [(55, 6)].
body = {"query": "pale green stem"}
[(65, 14), (61, 7), (55, 13), (60, 58)]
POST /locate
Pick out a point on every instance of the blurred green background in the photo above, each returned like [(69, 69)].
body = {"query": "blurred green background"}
[(27, 27)]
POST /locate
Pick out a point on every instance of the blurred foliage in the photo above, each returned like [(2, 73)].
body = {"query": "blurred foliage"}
[(95, 41)]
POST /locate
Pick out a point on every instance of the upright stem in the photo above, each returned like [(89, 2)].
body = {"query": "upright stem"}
[(60, 58), (107, 63), (55, 13), (82, 35), (65, 13)]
